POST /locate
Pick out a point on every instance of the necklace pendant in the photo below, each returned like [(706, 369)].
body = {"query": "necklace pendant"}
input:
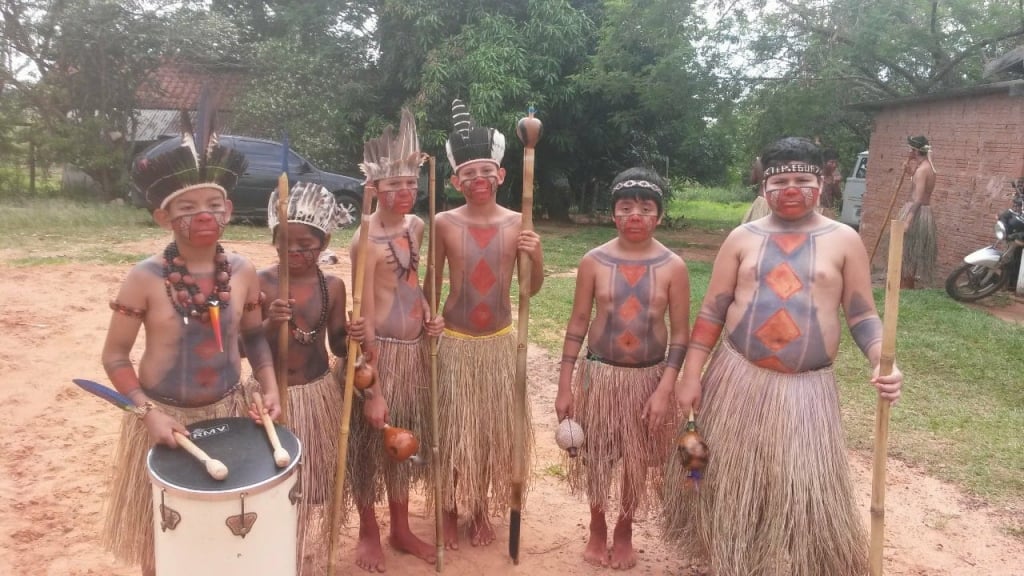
[(185, 320)]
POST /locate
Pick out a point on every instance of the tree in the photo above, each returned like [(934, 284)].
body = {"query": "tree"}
[(88, 59)]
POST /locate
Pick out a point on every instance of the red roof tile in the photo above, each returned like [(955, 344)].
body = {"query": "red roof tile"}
[(176, 86)]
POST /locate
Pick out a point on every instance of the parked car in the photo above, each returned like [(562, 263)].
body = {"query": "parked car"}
[(853, 192), (251, 195)]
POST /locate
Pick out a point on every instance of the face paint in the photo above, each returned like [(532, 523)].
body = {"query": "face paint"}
[(303, 258), (636, 227), (792, 202), (201, 228)]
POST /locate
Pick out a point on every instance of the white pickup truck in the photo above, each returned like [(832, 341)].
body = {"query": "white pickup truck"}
[(853, 192)]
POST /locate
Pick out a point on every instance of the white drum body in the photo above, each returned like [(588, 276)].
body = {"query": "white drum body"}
[(244, 525)]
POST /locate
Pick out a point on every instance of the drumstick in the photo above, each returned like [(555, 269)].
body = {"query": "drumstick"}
[(215, 468), (281, 456)]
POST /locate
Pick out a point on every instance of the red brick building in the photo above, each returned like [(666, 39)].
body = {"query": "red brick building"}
[(176, 86), (977, 138)]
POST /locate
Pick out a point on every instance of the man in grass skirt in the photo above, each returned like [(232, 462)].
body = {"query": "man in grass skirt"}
[(776, 497), (314, 311), (398, 322), (481, 242), (920, 247), (199, 306)]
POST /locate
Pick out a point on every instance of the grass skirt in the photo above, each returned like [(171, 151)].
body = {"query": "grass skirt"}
[(609, 404), (314, 416), (919, 245), (476, 380), (403, 369), (758, 209), (128, 526), (776, 498)]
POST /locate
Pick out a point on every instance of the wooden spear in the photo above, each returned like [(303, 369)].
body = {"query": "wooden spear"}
[(888, 213), (369, 191), (435, 425), (283, 334), (892, 308), (529, 131)]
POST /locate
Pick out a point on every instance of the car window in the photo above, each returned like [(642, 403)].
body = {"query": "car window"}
[(862, 168), (262, 152)]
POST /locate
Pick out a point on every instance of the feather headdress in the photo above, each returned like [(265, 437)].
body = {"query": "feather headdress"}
[(199, 162), (310, 204), (470, 143), (391, 156)]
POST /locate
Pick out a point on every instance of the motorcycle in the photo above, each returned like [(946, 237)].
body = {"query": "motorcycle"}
[(987, 270)]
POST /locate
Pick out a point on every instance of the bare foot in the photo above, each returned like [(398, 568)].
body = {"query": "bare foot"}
[(596, 552), (451, 530), (406, 541), (369, 554), (481, 533), (623, 555)]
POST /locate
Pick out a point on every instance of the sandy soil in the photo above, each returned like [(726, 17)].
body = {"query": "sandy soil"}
[(59, 444)]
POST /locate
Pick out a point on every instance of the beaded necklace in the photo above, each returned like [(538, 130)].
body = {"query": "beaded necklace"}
[(183, 290), (403, 270), (302, 336)]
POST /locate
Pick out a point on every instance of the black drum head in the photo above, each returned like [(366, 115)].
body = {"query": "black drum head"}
[(239, 443)]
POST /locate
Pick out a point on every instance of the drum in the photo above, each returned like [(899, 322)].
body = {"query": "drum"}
[(244, 525)]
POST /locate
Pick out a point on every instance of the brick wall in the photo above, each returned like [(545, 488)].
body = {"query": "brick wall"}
[(977, 148)]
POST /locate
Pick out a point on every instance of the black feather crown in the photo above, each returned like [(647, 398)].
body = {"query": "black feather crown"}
[(468, 142), (199, 162)]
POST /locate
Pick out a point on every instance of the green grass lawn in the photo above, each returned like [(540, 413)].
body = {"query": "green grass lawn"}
[(961, 417)]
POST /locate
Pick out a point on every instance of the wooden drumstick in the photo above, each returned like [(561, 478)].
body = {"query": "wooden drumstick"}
[(215, 468), (281, 456)]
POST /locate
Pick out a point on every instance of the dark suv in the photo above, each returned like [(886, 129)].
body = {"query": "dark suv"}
[(252, 194)]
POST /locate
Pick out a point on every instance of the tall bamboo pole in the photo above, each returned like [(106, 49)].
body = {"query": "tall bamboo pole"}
[(369, 191), (435, 425), (529, 131), (283, 334), (892, 308)]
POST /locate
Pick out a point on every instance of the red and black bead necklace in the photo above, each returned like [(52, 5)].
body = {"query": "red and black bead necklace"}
[(183, 290)]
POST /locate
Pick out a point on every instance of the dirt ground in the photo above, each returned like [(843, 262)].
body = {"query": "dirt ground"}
[(59, 444)]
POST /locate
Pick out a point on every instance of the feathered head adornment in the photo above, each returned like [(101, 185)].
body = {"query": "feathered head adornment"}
[(470, 143), (391, 157), (199, 161), (309, 204)]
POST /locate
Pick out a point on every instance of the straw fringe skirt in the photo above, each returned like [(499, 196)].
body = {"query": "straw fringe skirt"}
[(609, 404), (403, 369), (919, 245), (314, 416), (128, 526), (776, 498), (476, 379), (758, 209)]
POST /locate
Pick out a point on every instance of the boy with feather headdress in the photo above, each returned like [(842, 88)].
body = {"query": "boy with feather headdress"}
[(481, 242), (199, 305), (314, 310), (397, 317)]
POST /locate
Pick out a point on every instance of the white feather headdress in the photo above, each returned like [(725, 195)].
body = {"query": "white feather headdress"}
[(310, 204), (389, 156)]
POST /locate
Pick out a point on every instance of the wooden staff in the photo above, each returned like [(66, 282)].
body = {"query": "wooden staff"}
[(888, 213), (350, 372), (283, 334), (435, 425), (892, 308), (529, 131)]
